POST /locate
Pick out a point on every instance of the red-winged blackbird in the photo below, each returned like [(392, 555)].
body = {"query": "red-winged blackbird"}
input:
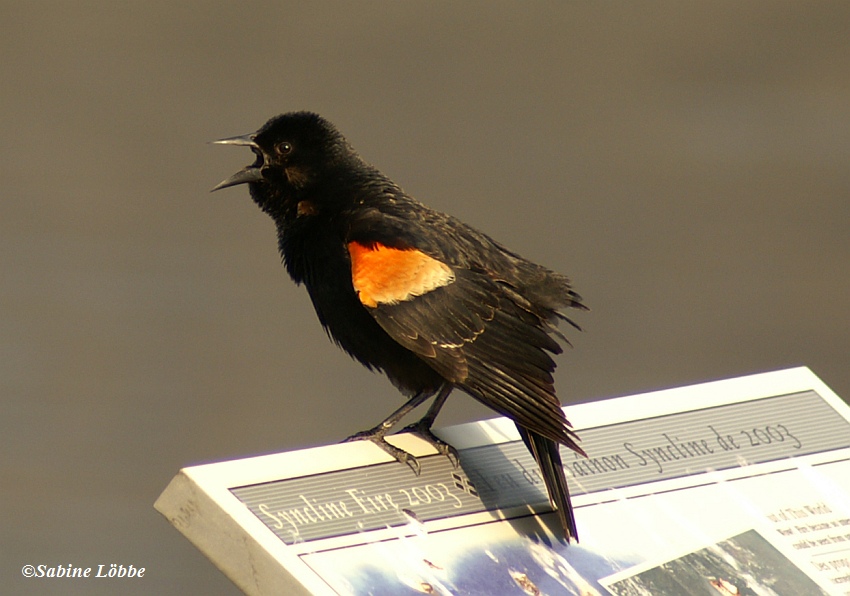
[(414, 293)]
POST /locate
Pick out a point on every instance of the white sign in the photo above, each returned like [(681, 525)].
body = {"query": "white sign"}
[(742, 484)]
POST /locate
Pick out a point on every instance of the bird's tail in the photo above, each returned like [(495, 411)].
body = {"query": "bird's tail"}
[(547, 454)]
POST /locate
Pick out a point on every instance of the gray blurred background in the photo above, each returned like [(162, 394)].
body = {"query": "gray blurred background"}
[(685, 163)]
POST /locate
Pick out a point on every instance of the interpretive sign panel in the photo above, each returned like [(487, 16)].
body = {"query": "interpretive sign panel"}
[(736, 481)]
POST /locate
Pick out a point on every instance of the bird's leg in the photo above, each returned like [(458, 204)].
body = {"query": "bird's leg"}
[(422, 428), (377, 434)]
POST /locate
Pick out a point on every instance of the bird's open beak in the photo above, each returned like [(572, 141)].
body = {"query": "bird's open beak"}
[(248, 174), (243, 140), (243, 176)]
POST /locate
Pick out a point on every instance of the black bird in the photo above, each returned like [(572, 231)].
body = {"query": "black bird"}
[(416, 294)]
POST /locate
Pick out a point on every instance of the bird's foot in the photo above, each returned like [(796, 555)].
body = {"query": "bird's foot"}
[(422, 429), (376, 435)]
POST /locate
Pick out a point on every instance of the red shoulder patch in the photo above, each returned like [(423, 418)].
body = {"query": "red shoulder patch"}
[(384, 275)]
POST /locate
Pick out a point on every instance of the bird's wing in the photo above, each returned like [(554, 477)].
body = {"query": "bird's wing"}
[(464, 323)]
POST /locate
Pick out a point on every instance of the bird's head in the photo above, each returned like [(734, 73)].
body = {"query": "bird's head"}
[(293, 151)]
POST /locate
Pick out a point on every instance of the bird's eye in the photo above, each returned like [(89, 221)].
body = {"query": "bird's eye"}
[(284, 148)]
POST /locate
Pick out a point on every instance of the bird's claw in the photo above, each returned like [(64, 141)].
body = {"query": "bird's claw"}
[(411, 461), (365, 435), (423, 430), (376, 435)]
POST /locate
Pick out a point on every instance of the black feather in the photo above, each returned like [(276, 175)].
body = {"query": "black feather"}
[(488, 330)]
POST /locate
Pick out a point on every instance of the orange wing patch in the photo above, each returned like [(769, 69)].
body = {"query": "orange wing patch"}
[(384, 275)]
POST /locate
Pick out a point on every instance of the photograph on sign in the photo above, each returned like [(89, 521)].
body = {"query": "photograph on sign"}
[(741, 565)]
